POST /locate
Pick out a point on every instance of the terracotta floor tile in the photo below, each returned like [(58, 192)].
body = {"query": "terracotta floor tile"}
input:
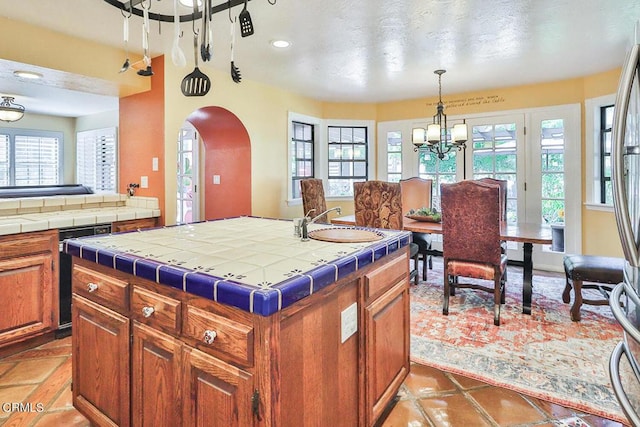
[(64, 400), (14, 394), (404, 414), (423, 380), (71, 418), (4, 367), (506, 407), (453, 410), (468, 383), (31, 371)]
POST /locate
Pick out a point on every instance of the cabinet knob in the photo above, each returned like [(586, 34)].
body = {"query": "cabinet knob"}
[(91, 287), (209, 336), (147, 311)]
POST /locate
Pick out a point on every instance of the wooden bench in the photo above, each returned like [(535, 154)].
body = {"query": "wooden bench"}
[(604, 273)]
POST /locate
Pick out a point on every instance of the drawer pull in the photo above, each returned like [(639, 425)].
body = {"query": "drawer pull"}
[(148, 311), (91, 287), (209, 336)]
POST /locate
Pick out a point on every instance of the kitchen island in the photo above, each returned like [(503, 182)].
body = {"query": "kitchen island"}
[(237, 323)]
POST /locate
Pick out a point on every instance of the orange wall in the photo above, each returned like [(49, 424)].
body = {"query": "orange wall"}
[(227, 154), (142, 137)]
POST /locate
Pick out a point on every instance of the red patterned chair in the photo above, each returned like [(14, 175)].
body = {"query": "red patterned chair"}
[(313, 197), (378, 204), (471, 213), (503, 201), (416, 194)]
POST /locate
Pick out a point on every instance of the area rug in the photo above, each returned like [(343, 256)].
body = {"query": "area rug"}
[(544, 355)]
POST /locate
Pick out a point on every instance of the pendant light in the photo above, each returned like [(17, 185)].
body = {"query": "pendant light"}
[(9, 111)]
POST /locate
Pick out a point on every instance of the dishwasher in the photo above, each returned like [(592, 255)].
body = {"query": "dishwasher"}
[(64, 324)]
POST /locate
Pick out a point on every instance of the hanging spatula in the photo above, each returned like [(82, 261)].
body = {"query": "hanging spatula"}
[(196, 83), (246, 25)]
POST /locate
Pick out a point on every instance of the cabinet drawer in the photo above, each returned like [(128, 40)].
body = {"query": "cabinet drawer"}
[(381, 279), (216, 334), (155, 310), (97, 287)]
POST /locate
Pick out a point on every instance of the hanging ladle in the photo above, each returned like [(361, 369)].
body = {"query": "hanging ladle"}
[(125, 31)]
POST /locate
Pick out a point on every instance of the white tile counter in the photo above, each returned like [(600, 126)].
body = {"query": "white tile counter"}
[(22, 215)]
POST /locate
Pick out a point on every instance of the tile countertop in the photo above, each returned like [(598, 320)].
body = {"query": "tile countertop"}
[(255, 264), (22, 215)]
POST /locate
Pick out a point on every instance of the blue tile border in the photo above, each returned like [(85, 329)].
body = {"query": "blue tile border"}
[(254, 299)]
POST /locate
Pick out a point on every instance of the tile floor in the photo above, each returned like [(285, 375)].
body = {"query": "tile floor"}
[(41, 377)]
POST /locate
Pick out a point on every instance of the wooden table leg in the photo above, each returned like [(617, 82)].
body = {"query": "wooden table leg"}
[(527, 274)]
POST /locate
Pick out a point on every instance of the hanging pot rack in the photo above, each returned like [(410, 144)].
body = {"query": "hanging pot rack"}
[(135, 7)]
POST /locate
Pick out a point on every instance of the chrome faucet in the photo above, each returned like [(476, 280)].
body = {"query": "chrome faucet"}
[(315, 218), (307, 220)]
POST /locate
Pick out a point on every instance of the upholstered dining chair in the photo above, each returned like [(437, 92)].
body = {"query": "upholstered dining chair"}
[(416, 194), (471, 216), (378, 204), (503, 193), (312, 193)]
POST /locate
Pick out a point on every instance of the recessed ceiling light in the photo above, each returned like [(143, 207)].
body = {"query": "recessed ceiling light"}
[(189, 3), (280, 43), (27, 74)]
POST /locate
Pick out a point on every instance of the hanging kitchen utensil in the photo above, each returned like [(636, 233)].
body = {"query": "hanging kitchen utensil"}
[(177, 55), (246, 26), (235, 72), (196, 83), (205, 48), (125, 31), (145, 42)]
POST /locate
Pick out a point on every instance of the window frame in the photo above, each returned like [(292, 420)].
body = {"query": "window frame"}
[(592, 151), (352, 161), (603, 153), (295, 178), (99, 134), (13, 132)]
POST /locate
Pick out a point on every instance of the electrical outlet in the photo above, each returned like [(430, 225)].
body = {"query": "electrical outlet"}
[(154, 164), (216, 179), (349, 321), (144, 182)]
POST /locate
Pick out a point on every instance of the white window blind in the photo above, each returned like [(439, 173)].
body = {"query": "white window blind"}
[(30, 157), (36, 160), (97, 154)]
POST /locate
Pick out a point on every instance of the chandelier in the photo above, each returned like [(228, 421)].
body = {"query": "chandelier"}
[(435, 137), (9, 111)]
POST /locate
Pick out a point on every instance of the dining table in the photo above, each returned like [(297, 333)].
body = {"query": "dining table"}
[(527, 233)]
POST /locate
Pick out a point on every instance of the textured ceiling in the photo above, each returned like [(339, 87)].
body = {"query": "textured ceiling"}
[(375, 50)]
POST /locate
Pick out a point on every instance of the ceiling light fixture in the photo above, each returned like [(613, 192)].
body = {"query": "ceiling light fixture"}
[(280, 44), (436, 136), (27, 74), (10, 112)]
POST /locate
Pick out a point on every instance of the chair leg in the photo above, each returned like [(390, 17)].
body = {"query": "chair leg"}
[(497, 297), (503, 285), (447, 284), (417, 277), (425, 257), (566, 294), (577, 300), (452, 288)]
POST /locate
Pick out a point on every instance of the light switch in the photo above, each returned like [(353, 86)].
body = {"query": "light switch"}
[(216, 179), (154, 164), (144, 182), (349, 321)]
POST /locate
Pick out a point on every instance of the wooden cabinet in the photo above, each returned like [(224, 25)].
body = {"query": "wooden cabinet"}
[(386, 320), (197, 362), (100, 363), (28, 283), (134, 224)]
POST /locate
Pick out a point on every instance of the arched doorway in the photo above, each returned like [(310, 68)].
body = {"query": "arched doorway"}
[(226, 174)]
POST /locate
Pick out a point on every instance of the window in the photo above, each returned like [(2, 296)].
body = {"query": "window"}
[(348, 158), (552, 148), (606, 124), (394, 156), (439, 171), (30, 157), (494, 156), (302, 155), (187, 177), (96, 164)]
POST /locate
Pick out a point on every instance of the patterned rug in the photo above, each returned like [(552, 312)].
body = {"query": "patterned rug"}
[(544, 355)]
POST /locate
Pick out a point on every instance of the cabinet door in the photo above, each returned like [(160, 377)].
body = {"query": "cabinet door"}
[(215, 393), (386, 348), (155, 359), (26, 284), (133, 224), (100, 363)]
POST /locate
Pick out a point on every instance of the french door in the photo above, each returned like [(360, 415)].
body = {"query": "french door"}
[(188, 201)]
